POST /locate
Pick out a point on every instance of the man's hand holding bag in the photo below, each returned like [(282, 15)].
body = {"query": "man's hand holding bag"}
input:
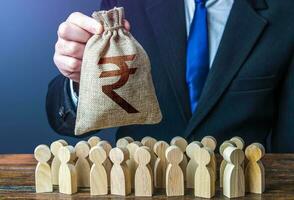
[(116, 87)]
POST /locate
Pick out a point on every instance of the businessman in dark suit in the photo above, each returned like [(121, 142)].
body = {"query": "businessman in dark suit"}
[(244, 85)]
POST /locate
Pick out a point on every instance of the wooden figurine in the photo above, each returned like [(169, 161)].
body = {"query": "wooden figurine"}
[(174, 174), (240, 144), (120, 179), (54, 147), (182, 144), (82, 165), (150, 142), (160, 164), (131, 163), (93, 141), (107, 163), (143, 174), (254, 173), (210, 142), (233, 179), (67, 171), (98, 175), (222, 147), (192, 164), (123, 142), (204, 176), (43, 177)]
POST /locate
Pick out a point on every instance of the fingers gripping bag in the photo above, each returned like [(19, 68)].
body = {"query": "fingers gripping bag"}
[(116, 87)]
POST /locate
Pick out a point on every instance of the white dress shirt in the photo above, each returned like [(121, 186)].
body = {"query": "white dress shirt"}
[(217, 14)]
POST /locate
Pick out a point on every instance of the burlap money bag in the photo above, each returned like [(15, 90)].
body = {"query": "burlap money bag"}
[(116, 87)]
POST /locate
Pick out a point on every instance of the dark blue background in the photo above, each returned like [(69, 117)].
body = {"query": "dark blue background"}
[(27, 38)]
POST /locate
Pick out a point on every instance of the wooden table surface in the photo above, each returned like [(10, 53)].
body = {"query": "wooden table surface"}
[(17, 181)]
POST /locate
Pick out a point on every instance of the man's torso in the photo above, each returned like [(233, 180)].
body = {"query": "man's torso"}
[(240, 95)]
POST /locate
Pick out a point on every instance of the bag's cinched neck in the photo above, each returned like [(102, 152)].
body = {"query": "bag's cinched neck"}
[(111, 19)]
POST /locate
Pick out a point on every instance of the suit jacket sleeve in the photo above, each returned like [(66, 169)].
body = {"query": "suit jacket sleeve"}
[(283, 132), (61, 112)]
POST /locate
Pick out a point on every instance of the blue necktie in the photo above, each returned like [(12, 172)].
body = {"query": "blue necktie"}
[(197, 54)]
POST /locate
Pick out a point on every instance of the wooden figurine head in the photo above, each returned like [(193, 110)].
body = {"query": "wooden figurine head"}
[(149, 142), (160, 148), (203, 156), (123, 142), (42, 153), (179, 142), (55, 146), (224, 145), (254, 152), (97, 154), (142, 155), (105, 145), (233, 155), (210, 142), (67, 154), (174, 155), (130, 139), (191, 148), (82, 149), (118, 155), (240, 144), (132, 148), (93, 141)]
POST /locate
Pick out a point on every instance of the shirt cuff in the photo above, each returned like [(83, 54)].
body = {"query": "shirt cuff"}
[(73, 94)]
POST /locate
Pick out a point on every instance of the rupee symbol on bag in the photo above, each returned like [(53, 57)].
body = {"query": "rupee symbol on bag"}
[(124, 73)]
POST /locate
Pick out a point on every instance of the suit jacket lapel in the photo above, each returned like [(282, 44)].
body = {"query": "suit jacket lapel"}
[(168, 21), (243, 29)]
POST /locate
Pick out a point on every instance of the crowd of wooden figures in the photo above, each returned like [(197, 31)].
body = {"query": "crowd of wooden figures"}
[(148, 165)]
